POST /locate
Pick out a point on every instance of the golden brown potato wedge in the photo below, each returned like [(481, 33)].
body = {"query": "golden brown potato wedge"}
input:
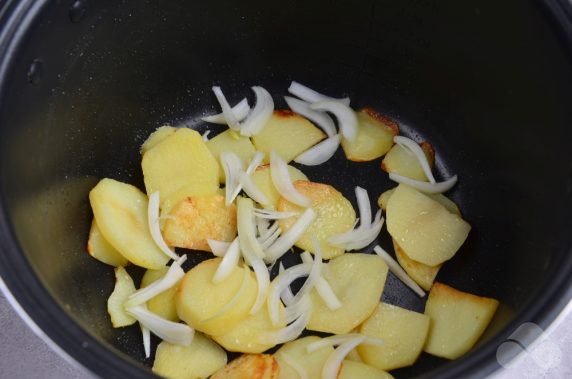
[(199, 218), (263, 181), (402, 162), (231, 141), (250, 366), (163, 304), (100, 249)]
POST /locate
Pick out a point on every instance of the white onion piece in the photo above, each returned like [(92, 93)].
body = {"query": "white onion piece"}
[(283, 280), (396, 269), (171, 278), (262, 226), (319, 153), (364, 206), (322, 119), (409, 145), (347, 119), (263, 235), (272, 215), (240, 111), (252, 189), (300, 371), (335, 359), (146, 334), (255, 162), (232, 167), (229, 117), (289, 238), (314, 274), (206, 135), (359, 237), (232, 302), (283, 183), (311, 96), (172, 332), (228, 263), (270, 239), (246, 228), (155, 227), (286, 295), (424, 186), (338, 339), (292, 331), (260, 114), (218, 248), (323, 287)]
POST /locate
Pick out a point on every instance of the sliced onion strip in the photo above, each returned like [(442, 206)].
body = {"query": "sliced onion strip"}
[(219, 248), (286, 295), (314, 273), (311, 96), (292, 331), (172, 332), (270, 239), (155, 227), (322, 119), (283, 183), (279, 284), (364, 206), (323, 287), (260, 114), (424, 186), (409, 145), (232, 167), (146, 334), (396, 269), (320, 152), (335, 359), (240, 111), (338, 339), (205, 135), (272, 215), (347, 119), (291, 236), (229, 116), (228, 263), (252, 189)]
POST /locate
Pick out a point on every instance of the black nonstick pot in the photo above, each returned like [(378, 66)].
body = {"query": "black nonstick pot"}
[(489, 83)]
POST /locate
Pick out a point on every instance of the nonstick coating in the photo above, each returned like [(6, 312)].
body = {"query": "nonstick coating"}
[(83, 84)]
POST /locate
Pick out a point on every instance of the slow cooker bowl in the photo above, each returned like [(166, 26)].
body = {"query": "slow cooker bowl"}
[(83, 83)]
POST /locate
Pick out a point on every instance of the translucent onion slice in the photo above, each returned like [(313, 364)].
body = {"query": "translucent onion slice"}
[(335, 359), (311, 96), (289, 238), (347, 119), (264, 234), (171, 278), (409, 145), (219, 248), (230, 119), (272, 215), (283, 183), (146, 334), (364, 206), (319, 153), (339, 339), (300, 371), (314, 274), (396, 269), (255, 162), (252, 190), (359, 237), (323, 287), (292, 331), (286, 295), (228, 263), (232, 167), (279, 284), (262, 226), (172, 332), (260, 114), (424, 186), (322, 119), (270, 239), (206, 135), (155, 227), (240, 111)]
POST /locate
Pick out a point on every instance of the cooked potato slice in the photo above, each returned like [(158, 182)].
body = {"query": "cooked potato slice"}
[(423, 228), (374, 137), (180, 166), (421, 273), (250, 366), (402, 162), (100, 249), (199, 218), (287, 134), (215, 308), (295, 352), (352, 370), (120, 211), (440, 198), (231, 141), (263, 181), (250, 334), (403, 333), (458, 319), (157, 137), (200, 359), (164, 303), (358, 281), (124, 287), (335, 215)]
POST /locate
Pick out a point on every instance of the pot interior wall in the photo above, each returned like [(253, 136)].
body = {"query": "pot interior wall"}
[(488, 84)]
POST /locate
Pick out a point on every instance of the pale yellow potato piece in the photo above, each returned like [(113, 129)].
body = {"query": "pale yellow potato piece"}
[(200, 359), (124, 287), (205, 306), (424, 228), (402, 162), (440, 198), (403, 333), (157, 137), (250, 366), (231, 141), (352, 370), (263, 181), (251, 334), (120, 211), (287, 134), (374, 136), (421, 273), (180, 166), (100, 249), (163, 304), (458, 319), (199, 218), (295, 351), (358, 281), (335, 215)]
